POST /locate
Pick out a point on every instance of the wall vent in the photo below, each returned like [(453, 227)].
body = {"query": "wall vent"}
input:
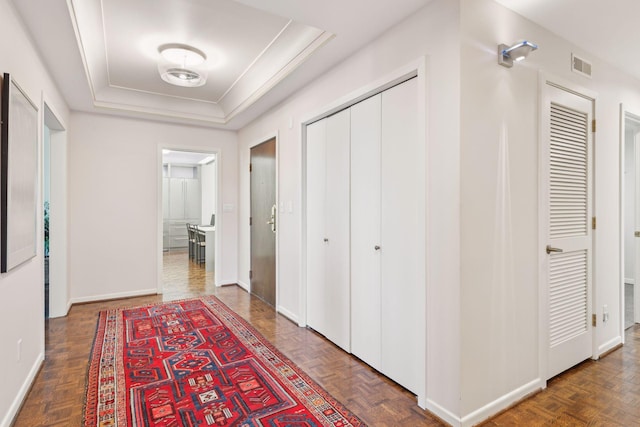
[(580, 66)]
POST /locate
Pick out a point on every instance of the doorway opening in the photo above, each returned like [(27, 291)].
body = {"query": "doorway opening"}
[(46, 201), (189, 211), (54, 206), (631, 220)]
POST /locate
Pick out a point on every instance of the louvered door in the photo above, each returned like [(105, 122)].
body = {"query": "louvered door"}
[(567, 172)]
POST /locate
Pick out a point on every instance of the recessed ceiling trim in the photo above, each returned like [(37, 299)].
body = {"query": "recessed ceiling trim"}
[(317, 43), (204, 101), (104, 38), (157, 113), (74, 21), (260, 55)]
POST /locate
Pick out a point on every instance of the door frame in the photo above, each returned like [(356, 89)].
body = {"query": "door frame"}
[(544, 80), (219, 217), (634, 115), (279, 210), (59, 300)]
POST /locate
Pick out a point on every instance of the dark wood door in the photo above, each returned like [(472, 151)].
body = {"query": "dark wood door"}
[(263, 221)]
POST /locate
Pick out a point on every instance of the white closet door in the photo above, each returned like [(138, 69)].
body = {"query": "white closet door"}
[(337, 303), (365, 231), (403, 237), (316, 173)]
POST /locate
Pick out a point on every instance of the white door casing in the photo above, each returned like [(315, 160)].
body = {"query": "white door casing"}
[(636, 293), (566, 215)]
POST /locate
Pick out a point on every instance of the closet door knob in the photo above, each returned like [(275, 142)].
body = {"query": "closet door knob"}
[(326, 240), (376, 247)]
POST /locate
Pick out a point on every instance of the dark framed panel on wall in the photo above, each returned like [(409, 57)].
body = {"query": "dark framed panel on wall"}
[(18, 177)]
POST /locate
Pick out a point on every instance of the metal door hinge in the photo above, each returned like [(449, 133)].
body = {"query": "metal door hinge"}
[(593, 125), (250, 167), (637, 234), (594, 320), (593, 223), (250, 274), (250, 220)]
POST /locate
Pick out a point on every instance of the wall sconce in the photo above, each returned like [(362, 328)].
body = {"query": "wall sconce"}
[(517, 52)]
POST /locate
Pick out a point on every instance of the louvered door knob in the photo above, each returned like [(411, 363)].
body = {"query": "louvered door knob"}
[(376, 247), (552, 249), (326, 240)]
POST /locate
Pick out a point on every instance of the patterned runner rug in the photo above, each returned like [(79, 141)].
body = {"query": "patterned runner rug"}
[(196, 363)]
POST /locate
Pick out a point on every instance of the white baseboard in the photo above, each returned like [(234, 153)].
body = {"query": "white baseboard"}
[(630, 281), (22, 394), (609, 345), (503, 402), (117, 295), (226, 282), (442, 413), (244, 286), (288, 314), (54, 315)]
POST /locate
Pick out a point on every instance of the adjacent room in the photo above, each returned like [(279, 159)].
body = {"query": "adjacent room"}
[(385, 213)]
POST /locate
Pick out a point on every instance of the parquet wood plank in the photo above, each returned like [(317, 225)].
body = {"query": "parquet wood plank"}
[(602, 393)]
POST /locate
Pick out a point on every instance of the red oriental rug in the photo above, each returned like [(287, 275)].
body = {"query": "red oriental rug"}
[(196, 363)]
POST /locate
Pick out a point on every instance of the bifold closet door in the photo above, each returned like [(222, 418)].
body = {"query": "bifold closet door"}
[(403, 236), (328, 294), (316, 184), (365, 231)]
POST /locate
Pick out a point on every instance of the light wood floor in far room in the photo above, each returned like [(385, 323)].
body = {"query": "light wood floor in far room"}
[(606, 392)]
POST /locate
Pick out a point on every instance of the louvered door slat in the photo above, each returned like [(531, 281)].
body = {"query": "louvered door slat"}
[(567, 295), (568, 172)]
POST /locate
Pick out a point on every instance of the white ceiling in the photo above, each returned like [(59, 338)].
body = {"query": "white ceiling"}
[(607, 29), (103, 54)]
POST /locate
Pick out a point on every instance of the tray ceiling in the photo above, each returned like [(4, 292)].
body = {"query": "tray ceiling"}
[(104, 55), (248, 51)]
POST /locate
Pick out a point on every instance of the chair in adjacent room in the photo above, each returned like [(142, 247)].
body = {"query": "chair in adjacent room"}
[(199, 245), (191, 235)]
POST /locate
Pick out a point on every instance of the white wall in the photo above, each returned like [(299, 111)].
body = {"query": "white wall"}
[(499, 199), (432, 31), (22, 289), (629, 205), (114, 199)]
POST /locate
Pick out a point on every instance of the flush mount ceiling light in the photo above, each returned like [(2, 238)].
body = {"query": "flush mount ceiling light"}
[(182, 65), (517, 52)]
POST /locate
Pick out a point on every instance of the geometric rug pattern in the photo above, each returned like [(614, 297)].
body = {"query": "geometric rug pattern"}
[(197, 363)]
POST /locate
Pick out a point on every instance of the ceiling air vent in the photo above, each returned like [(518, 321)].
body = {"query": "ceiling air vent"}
[(580, 66)]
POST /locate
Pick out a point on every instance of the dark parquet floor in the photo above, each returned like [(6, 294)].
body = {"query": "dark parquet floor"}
[(605, 393)]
